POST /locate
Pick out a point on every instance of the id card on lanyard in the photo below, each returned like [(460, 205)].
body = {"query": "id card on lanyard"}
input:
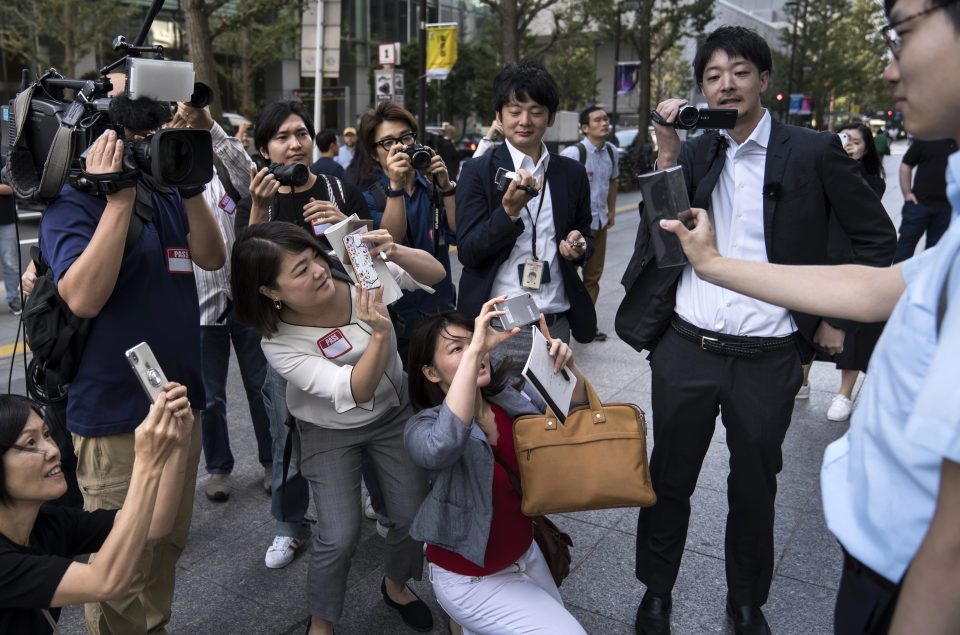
[(534, 273)]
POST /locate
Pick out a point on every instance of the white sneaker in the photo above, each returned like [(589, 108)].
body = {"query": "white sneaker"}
[(281, 552), (839, 409), (368, 509), (804, 392)]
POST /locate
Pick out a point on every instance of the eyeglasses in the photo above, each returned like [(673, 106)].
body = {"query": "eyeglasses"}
[(388, 142), (893, 40)]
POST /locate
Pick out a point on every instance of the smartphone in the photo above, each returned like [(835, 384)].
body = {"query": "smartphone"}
[(519, 311), (358, 253), (148, 371), (844, 137)]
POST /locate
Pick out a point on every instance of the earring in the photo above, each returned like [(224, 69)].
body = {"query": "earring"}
[(277, 303)]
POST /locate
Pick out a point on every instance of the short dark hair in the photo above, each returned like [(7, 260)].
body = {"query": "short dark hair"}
[(255, 262), (524, 79), (325, 139), (366, 159), (586, 112), (14, 412), (422, 349), (871, 158), (734, 41), (952, 9), (272, 117)]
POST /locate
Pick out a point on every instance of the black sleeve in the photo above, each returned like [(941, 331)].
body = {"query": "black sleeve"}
[(356, 203), (912, 157), (90, 529), (482, 233), (241, 217)]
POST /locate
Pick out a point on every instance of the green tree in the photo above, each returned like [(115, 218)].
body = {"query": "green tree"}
[(515, 18), (655, 30), (76, 28)]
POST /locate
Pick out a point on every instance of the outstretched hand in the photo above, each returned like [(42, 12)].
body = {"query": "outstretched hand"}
[(699, 243), (485, 338)]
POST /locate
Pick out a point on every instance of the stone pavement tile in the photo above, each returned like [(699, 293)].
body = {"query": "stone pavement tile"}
[(797, 608), (585, 536), (365, 613), (813, 555), (609, 518), (596, 624), (215, 525)]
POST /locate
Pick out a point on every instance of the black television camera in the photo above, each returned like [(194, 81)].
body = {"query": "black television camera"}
[(45, 134), (691, 117), (420, 155)]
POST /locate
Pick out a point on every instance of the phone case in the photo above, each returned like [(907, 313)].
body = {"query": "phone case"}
[(519, 311), (147, 370), (361, 260)]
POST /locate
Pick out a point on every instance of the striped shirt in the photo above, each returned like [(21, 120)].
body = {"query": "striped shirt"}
[(213, 287)]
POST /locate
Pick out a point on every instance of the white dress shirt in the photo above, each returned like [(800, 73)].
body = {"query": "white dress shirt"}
[(737, 216), (552, 297)]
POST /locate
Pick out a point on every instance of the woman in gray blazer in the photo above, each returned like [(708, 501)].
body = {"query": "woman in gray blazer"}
[(487, 572)]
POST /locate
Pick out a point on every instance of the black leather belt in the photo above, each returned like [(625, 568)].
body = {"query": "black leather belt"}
[(731, 345), (857, 568)]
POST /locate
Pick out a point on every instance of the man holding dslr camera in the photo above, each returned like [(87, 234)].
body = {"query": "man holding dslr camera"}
[(147, 294)]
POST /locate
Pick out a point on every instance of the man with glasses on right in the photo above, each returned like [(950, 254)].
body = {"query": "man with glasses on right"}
[(891, 484)]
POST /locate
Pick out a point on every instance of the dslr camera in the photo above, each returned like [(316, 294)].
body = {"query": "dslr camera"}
[(420, 155), (290, 174), (691, 117), (46, 129)]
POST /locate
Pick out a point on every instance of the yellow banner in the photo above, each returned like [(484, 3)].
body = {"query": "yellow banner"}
[(441, 50)]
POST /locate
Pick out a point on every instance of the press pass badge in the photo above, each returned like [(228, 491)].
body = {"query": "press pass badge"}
[(178, 260), (532, 274)]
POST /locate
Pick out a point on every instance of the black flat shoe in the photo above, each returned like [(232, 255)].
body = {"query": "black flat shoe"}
[(747, 620), (653, 614), (416, 614)]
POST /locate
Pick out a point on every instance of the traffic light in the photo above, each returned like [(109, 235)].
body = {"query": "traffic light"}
[(779, 96), (889, 113)]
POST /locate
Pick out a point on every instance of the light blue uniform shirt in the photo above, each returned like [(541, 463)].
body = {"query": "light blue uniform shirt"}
[(600, 171), (880, 480)]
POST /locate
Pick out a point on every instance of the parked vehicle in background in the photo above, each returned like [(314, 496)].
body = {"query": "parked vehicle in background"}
[(468, 144), (634, 159), (231, 123)]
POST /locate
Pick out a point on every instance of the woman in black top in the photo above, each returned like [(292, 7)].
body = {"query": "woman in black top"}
[(860, 339), (38, 544)]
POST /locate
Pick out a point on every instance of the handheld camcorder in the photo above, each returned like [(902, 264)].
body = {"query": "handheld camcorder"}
[(691, 117), (420, 155), (47, 128)]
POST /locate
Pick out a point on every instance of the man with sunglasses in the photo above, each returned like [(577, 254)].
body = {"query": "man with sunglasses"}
[(891, 485)]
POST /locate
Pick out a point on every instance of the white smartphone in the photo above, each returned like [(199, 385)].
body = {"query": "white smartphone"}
[(148, 371)]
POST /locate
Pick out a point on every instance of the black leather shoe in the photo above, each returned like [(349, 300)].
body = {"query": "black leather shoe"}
[(599, 336), (747, 620), (653, 614), (416, 614)]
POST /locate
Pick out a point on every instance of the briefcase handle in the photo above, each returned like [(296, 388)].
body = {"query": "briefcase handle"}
[(593, 402)]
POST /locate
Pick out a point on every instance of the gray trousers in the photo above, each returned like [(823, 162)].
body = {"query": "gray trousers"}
[(330, 461)]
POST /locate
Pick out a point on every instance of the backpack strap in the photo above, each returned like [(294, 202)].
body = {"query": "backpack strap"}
[(335, 192), (379, 195), (582, 149)]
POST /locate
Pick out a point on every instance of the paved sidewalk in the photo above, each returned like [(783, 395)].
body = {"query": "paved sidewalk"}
[(223, 587)]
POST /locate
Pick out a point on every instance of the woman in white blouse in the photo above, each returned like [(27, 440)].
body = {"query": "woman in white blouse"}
[(335, 345)]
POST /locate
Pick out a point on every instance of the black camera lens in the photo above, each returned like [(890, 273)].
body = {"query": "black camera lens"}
[(202, 95), (291, 175), (687, 118), (175, 157), (420, 156)]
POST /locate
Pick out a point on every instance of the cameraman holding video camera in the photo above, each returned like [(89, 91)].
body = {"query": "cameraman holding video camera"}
[(146, 294)]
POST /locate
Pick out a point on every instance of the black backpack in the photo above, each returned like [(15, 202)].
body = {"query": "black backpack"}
[(55, 335), (582, 149)]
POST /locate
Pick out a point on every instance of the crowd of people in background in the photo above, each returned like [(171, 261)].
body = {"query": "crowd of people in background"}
[(396, 401)]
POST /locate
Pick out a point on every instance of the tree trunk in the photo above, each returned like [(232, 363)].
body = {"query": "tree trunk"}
[(510, 45), (69, 64), (200, 45), (246, 77), (642, 44)]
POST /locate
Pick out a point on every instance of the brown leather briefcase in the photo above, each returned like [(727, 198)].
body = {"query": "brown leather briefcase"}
[(596, 459)]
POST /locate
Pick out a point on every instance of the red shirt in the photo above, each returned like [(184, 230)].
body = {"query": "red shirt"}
[(510, 531)]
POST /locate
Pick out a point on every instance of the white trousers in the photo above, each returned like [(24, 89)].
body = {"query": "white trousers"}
[(519, 599)]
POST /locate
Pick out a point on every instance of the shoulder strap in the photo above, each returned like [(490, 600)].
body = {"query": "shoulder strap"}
[(379, 196), (582, 149), (609, 152), (514, 479), (335, 190)]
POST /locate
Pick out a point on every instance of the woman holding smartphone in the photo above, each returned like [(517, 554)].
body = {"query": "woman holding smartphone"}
[(38, 544), (488, 573), (334, 344)]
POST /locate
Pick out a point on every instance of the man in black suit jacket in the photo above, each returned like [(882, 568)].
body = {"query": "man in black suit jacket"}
[(771, 190), (532, 236)]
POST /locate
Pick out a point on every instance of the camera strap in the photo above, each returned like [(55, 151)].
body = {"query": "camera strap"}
[(534, 222)]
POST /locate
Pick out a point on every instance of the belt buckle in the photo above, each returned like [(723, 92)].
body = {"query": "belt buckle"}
[(704, 339)]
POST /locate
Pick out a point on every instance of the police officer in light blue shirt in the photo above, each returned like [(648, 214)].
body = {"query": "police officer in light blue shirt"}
[(891, 485)]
